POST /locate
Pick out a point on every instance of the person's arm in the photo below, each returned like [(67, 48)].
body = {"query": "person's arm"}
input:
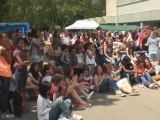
[(54, 97), (80, 78), (104, 50), (128, 53), (90, 55), (74, 80), (20, 62), (62, 59), (33, 79), (6, 55), (115, 76), (91, 80), (96, 81), (127, 71), (147, 44)]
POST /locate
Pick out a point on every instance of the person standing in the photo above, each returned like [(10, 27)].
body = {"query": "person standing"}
[(22, 60), (5, 73)]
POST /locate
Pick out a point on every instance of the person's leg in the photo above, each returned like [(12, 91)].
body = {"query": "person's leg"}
[(90, 68), (124, 85), (104, 86), (148, 77), (113, 84), (60, 108), (145, 82), (21, 84), (156, 78), (5, 93), (71, 92)]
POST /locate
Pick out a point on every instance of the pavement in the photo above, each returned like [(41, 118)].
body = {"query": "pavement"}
[(146, 106)]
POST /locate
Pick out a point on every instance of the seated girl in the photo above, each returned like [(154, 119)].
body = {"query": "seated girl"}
[(86, 83), (47, 73), (102, 82), (69, 87), (143, 76), (47, 110), (121, 83), (150, 69), (33, 78)]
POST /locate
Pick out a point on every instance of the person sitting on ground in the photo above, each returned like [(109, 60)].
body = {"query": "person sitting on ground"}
[(102, 82), (143, 76), (47, 73), (123, 84), (85, 82), (46, 109), (34, 76), (70, 88), (127, 70), (150, 69)]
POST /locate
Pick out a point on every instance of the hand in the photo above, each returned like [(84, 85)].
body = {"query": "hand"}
[(75, 78)]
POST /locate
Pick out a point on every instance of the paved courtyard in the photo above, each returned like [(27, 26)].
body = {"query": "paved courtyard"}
[(111, 107)]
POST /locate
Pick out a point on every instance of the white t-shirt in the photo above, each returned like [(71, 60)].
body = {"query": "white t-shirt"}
[(47, 78), (90, 61), (65, 40), (43, 108)]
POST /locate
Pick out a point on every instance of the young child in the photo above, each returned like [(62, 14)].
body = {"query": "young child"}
[(86, 83), (21, 58)]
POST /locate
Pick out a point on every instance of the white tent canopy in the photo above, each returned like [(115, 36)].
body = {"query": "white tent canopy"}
[(83, 24)]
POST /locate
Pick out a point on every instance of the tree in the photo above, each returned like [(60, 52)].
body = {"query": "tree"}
[(50, 12)]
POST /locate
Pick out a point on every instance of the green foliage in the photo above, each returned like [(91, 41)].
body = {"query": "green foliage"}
[(50, 12)]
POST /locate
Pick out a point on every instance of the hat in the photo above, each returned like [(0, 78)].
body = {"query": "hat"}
[(57, 78)]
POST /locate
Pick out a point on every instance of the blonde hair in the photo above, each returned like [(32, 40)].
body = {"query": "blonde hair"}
[(155, 34)]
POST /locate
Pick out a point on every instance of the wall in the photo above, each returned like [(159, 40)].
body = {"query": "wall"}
[(111, 9), (138, 10), (136, 7)]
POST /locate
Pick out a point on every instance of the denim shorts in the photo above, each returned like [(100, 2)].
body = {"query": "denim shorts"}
[(21, 78)]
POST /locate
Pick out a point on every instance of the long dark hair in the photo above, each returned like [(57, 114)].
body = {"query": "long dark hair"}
[(148, 61), (34, 73)]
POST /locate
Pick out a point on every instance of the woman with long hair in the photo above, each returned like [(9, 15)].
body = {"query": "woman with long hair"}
[(34, 76)]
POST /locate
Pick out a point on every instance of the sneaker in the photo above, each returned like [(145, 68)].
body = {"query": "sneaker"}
[(135, 91), (76, 117), (9, 116), (120, 94), (90, 95), (133, 94), (63, 118), (151, 86), (141, 85)]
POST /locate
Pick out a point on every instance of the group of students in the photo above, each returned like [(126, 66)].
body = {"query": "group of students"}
[(76, 66)]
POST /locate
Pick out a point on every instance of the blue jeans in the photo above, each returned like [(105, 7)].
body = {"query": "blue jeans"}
[(146, 79), (104, 87), (21, 78), (5, 93), (60, 108)]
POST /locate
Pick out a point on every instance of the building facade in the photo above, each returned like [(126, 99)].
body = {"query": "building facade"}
[(131, 12), (143, 12)]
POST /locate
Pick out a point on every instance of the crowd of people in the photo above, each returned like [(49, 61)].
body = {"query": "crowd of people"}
[(73, 67)]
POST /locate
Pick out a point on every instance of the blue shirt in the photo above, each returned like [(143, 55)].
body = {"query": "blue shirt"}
[(153, 44)]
